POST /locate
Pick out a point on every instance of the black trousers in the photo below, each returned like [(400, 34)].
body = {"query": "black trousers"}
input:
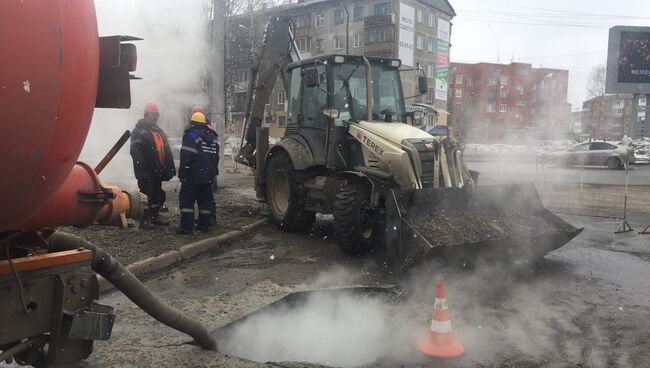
[(201, 194), (152, 188)]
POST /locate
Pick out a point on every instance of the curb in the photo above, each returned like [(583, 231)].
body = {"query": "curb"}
[(183, 253)]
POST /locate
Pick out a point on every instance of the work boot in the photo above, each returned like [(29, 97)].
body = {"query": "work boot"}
[(145, 220), (182, 231), (155, 218)]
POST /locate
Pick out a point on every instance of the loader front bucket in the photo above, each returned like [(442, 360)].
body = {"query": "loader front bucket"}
[(495, 222)]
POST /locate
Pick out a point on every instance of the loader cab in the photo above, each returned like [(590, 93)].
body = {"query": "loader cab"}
[(329, 92)]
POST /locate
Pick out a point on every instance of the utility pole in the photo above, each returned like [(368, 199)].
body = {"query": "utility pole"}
[(217, 92)]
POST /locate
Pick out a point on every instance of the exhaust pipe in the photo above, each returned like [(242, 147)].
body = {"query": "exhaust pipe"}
[(126, 282)]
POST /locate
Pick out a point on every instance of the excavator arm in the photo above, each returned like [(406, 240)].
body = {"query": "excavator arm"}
[(278, 50)]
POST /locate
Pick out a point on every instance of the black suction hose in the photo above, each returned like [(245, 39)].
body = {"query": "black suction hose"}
[(126, 282)]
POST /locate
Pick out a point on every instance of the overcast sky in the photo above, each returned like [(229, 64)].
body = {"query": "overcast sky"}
[(564, 34)]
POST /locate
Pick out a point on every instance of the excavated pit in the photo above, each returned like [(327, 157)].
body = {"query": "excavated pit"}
[(347, 327)]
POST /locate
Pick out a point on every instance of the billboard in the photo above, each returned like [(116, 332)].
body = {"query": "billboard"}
[(628, 60), (406, 34), (442, 59)]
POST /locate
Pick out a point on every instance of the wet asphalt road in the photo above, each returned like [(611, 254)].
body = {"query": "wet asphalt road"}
[(521, 171), (585, 305)]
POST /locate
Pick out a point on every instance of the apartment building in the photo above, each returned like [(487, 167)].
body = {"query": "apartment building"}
[(511, 103), (416, 31)]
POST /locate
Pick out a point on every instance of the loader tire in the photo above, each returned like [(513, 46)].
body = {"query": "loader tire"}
[(286, 196), (353, 220)]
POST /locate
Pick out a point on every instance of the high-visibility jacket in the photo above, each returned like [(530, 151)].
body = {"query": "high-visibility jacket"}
[(199, 154)]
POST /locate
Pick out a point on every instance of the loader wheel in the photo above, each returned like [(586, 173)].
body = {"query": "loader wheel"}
[(286, 196), (353, 220)]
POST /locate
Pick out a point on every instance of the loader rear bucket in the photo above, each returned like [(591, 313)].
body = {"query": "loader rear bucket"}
[(495, 222)]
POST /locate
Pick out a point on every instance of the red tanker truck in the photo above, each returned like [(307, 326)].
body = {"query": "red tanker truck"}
[(54, 71)]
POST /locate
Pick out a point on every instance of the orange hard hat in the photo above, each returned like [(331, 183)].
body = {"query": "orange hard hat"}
[(197, 108), (151, 107)]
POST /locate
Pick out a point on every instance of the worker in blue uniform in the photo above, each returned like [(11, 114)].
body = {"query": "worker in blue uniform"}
[(197, 170)]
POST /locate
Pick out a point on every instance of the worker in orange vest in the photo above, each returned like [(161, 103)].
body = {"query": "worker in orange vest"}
[(152, 163)]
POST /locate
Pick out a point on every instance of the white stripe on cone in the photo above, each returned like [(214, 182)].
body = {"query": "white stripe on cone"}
[(440, 326), (440, 303)]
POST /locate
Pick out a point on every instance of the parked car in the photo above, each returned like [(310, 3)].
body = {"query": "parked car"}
[(610, 154)]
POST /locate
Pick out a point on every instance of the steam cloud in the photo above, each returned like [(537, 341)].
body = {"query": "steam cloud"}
[(172, 60), (498, 316)]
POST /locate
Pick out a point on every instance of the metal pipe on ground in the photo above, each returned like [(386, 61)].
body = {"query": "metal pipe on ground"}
[(126, 282)]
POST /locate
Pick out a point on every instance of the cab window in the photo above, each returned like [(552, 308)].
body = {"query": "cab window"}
[(314, 100)]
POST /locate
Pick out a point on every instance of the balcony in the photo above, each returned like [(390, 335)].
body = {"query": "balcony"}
[(380, 20)]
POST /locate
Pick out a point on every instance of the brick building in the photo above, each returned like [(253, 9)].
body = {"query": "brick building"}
[(508, 102), (608, 117), (368, 27)]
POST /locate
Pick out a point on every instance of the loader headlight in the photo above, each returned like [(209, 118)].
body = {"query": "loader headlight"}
[(396, 63), (339, 59)]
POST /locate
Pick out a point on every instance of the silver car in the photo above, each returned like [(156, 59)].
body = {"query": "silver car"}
[(610, 154)]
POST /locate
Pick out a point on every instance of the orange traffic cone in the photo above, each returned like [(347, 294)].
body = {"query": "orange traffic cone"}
[(441, 342)]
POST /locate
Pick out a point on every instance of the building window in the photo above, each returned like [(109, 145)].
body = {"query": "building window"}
[(491, 108), (518, 117), (554, 84), (459, 92), (467, 95), (377, 35), (358, 13), (503, 108), (338, 16), (521, 103), (458, 107), (304, 44), (319, 20), (503, 93), (492, 80), (338, 43), (281, 98), (240, 76), (431, 71), (459, 79), (320, 46), (432, 20), (382, 8), (522, 72), (419, 42), (503, 80), (418, 15), (357, 40), (282, 121), (431, 45), (468, 82), (302, 21), (520, 90)]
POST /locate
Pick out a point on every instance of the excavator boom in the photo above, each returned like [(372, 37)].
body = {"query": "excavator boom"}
[(278, 51)]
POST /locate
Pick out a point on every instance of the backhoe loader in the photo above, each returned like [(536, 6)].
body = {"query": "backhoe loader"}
[(349, 150)]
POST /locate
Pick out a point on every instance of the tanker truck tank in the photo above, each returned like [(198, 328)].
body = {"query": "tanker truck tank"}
[(54, 71)]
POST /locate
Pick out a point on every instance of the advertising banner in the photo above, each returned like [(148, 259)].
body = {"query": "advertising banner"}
[(444, 29), (442, 67), (406, 34)]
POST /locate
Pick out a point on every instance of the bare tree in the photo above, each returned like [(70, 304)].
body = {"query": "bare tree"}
[(596, 82)]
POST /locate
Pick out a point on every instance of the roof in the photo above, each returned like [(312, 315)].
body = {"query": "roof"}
[(442, 5), (348, 58)]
